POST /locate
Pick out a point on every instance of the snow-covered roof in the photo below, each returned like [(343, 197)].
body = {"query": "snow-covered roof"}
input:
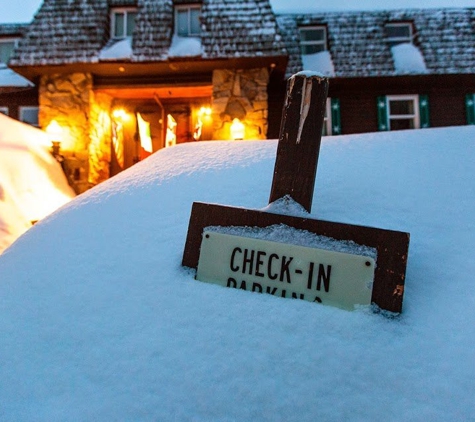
[(12, 29), (11, 79), (359, 47), (76, 31)]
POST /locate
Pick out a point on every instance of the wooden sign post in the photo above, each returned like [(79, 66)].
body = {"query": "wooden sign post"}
[(274, 270)]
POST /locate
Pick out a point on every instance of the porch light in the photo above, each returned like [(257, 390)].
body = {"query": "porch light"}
[(55, 131), (204, 111), (119, 114), (237, 130)]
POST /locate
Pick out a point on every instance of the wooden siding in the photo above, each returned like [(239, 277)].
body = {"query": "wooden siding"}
[(15, 100), (358, 99)]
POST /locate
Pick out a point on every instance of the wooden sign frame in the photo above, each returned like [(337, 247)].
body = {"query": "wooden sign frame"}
[(392, 246)]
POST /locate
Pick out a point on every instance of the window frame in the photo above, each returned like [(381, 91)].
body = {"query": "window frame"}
[(304, 44), (21, 111), (327, 119), (4, 110), (392, 41), (186, 7), (8, 40), (415, 116), (125, 11)]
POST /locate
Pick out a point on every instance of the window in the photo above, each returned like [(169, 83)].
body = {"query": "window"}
[(332, 120), (187, 20), (7, 46), (398, 33), (29, 115), (4, 110), (470, 108), (313, 39), (123, 22), (397, 112)]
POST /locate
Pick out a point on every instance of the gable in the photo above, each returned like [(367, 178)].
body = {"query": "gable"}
[(75, 31)]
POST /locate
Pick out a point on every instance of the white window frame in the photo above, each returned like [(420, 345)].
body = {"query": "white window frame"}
[(187, 8), (22, 110), (327, 118), (323, 43), (400, 40), (4, 110), (415, 116), (113, 16), (8, 40)]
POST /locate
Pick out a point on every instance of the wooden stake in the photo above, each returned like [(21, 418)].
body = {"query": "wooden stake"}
[(299, 141)]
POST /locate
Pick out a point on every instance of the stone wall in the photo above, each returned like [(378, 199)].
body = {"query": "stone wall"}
[(100, 138), (84, 118), (240, 94), (65, 98)]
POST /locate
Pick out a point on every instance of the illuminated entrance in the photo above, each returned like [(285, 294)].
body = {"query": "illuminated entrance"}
[(145, 120)]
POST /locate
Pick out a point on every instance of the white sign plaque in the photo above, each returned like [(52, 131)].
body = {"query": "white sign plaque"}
[(333, 278)]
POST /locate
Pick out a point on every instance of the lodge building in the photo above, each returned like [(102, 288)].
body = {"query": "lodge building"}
[(117, 80)]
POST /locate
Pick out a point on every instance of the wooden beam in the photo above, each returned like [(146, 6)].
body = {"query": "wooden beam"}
[(299, 141)]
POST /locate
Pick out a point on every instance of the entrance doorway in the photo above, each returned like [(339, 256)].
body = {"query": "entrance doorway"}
[(145, 120)]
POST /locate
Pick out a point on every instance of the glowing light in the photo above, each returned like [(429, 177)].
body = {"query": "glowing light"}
[(204, 111), (54, 130), (120, 115), (237, 130), (144, 134), (170, 138)]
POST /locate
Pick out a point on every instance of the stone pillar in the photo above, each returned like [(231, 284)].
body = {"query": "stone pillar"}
[(84, 117), (66, 98), (101, 137), (240, 94)]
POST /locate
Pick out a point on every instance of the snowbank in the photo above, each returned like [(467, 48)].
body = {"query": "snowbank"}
[(319, 62), (118, 49), (32, 184), (185, 47), (408, 59), (99, 321)]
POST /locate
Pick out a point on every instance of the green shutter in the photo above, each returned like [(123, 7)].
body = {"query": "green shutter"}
[(470, 108), (336, 117), (424, 111), (382, 107)]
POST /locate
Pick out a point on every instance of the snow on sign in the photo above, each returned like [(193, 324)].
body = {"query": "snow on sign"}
[(252, 265), (333, 278)]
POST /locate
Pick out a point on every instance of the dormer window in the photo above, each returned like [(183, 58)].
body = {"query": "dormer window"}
[(399, 33), (187, 20), (122, 22), (313, 39), (7, 45)]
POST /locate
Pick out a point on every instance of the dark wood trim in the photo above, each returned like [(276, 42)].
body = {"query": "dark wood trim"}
[(392, 246), (172, 68)]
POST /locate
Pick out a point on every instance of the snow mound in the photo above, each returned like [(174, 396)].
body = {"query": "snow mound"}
[(185, 47), (32, 183), (99, 321), (408, 59), (117, 50), (319, 62)]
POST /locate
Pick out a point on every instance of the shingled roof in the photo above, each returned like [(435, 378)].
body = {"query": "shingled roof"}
[(75, 31), (358, 47), (12, 29)]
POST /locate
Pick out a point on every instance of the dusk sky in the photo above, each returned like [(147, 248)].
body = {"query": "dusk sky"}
[(23, 11)]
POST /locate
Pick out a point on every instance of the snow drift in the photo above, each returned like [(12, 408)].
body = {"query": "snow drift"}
[(32, 184), (99, 321)]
